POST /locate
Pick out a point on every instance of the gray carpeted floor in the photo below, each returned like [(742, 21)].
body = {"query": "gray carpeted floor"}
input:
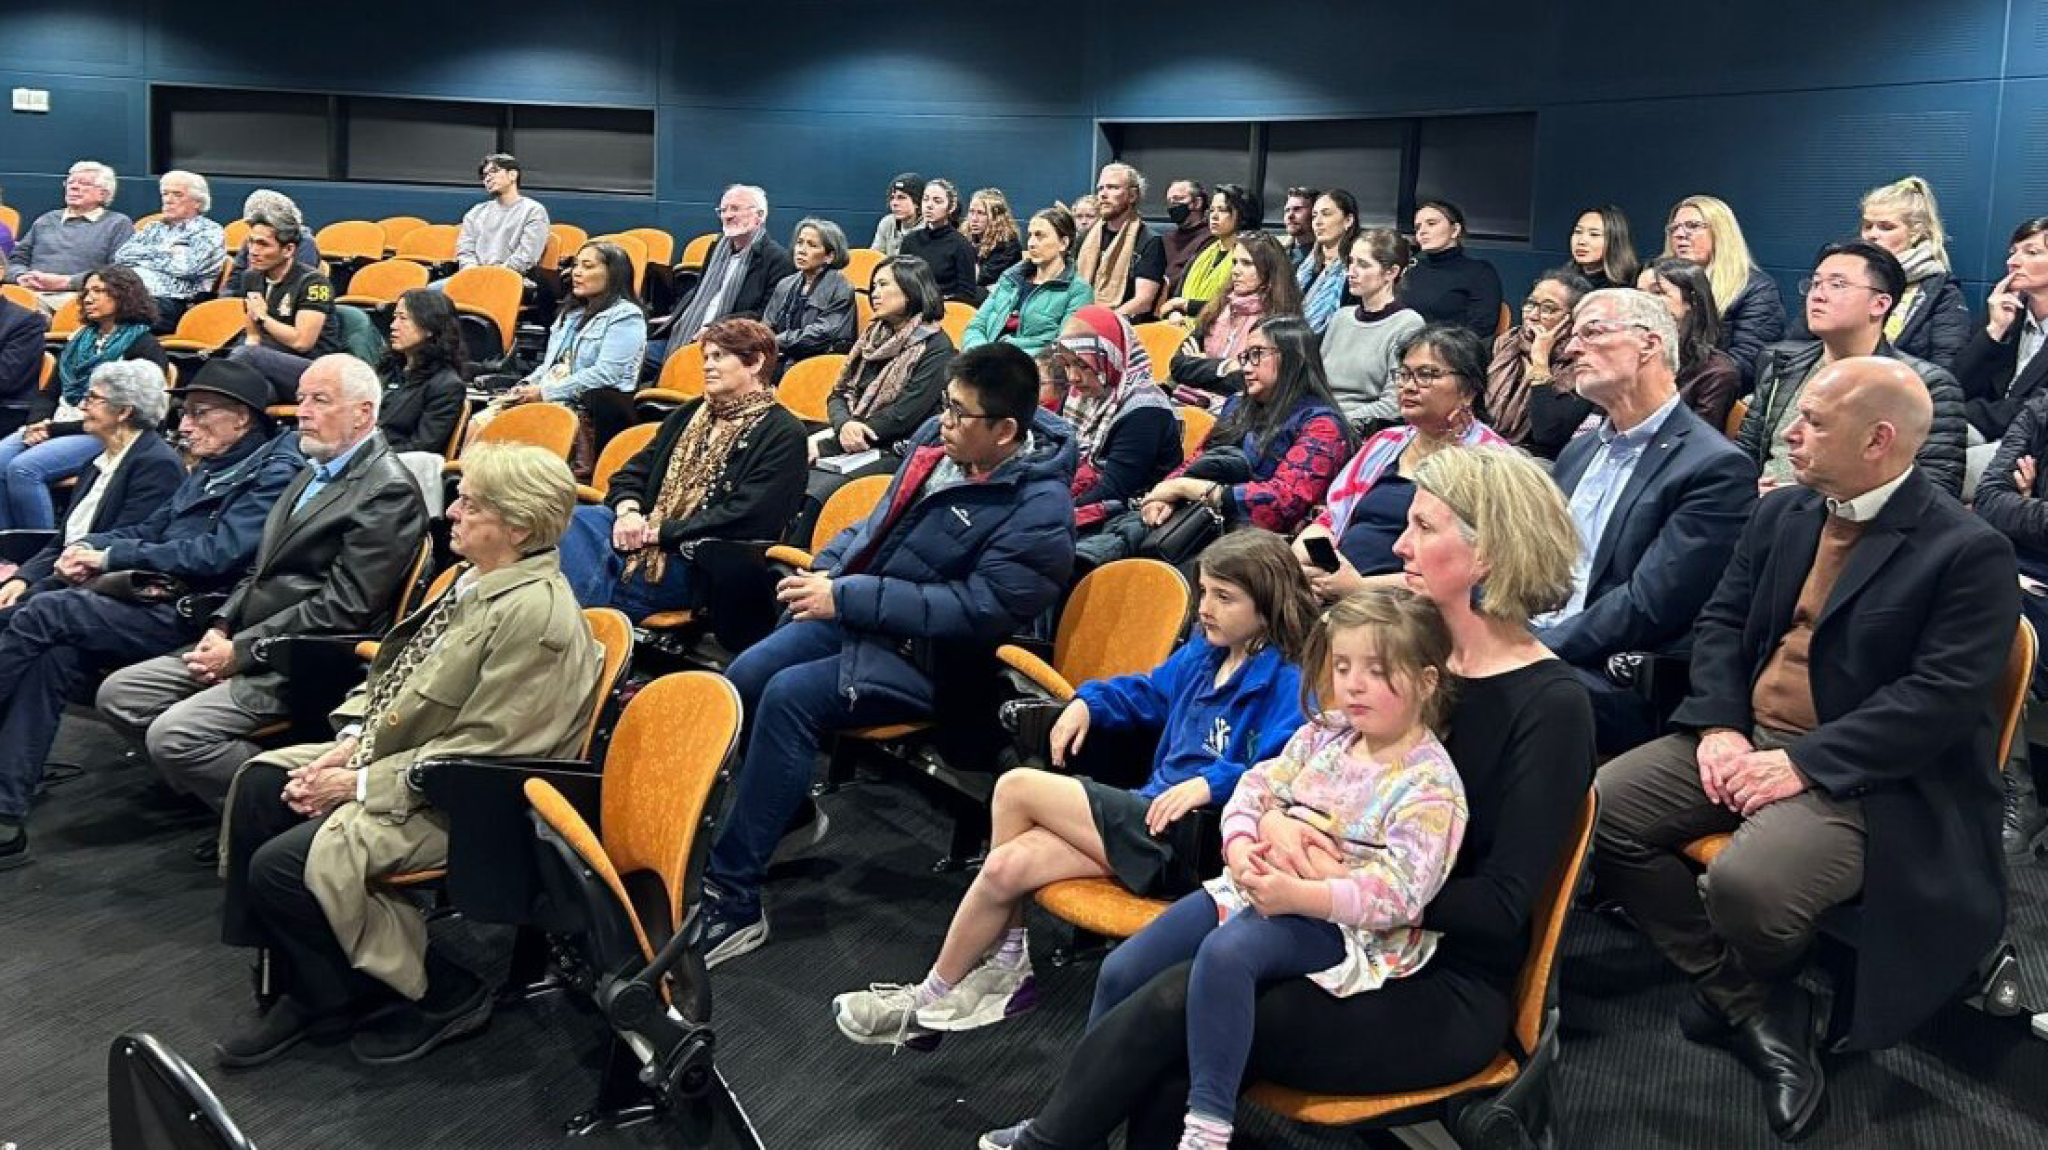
[(113, 929)]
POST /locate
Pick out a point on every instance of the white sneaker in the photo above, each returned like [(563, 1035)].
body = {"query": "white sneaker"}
[(1004, 1139), (989, 994), (885, 1014)]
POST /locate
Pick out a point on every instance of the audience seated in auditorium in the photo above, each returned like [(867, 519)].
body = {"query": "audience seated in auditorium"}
[(1931, 320), (744, 266), (1439, 401), (1524, 355), (992, 226), (1708, 380), (1228, 699), (291, 320), (892, 383), (1085, 210), (179, 256), (727, 466), (273, 205), (1121, 258), (422, 375), (309, 828), (52, 256), (22, 333), (1842, 723), (1852, 290), (116, 312), (1703, 229), (333, 557), (1187, 207), (1321, 272), (973, 539), (595, 345), (1032, 301), (1259, 284), (134, 473), (112, 597), (2012, 499), (509, 229), (1270, 458), (1999, 367), (1359, 344), (1521, 735), (1658, 495), (906, 207), (1601, 248), (1447, 285), (1231, 211), (1296, 228), (1126, 430), (950, 255), (811, 311)]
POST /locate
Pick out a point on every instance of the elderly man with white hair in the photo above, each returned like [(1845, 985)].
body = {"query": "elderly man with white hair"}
[(63, 244), (334, 553), (743, 268), (179, 256)]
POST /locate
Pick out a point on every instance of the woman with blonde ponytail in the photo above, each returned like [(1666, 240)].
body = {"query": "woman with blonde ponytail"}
[(1931, 320)]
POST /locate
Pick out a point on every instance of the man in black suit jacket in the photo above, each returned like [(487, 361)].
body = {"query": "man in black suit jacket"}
[(741, 269), (1842, 726), (335, 549), (21, 361), (1659, 498)]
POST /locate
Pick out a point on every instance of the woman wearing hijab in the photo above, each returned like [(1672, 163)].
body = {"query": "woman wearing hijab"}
[(1127, 430)]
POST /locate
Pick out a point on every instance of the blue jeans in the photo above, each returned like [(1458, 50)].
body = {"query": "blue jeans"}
[(596, 571), (789, 689), (48, 644), (27, 472), (1231, 961)]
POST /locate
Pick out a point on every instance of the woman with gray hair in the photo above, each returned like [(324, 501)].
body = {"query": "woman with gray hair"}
[(134, 473), (811, 309)]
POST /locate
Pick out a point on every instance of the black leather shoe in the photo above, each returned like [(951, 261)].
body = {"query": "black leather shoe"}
[(13, 845), (279, 1029), (1702, 1022), (2020, 830), (1781, 1045), (411, 1030), (206, 852)]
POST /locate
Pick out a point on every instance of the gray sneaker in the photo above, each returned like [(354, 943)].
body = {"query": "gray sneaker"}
[(885, 1014), (1005, 1138), (989, 994)]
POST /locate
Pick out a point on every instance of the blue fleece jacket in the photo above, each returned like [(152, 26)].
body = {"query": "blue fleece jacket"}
[(1204, 730)]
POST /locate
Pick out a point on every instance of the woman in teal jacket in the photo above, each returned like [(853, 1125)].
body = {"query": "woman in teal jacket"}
[(1031, 302)]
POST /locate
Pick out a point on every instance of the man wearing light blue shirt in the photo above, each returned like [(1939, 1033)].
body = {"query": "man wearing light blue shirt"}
[(1659, 499)]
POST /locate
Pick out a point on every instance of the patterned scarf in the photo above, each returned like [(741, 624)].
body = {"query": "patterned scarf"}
[(699, 458), (1109, 272), (87, 350), (1112, 349), (1240, 314), (897, 350), (385, 688)]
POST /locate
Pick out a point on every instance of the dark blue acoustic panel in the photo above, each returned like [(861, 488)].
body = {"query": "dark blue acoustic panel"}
[(2027, 39), (90, 117), (99, 39), (2022, 188)]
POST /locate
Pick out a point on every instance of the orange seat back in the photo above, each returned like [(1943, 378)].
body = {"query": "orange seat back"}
[(697, 252), (12, 218), (1195, 426), (683, 373), (807, 384), (212, 323), (614, 635), (351, 240), (863, 310), (1161, 340), (1123, 618), (569, 237), (396, 228), (860, 267), (22, 296), (636, 253), (546, 425), (1736, 415), (624, 446), (958, 316), (49, 369), (386, 280), (430, 244), (489, 290), (66, 320), (233, 235), (847, 506), (661, 247), (146, 221)]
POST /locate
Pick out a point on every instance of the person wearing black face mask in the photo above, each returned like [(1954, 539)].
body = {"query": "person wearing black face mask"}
[(1187, 202)]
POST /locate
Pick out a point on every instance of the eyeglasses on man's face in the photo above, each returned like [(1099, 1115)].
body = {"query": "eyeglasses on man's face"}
[(1832, 285), (952, 411)]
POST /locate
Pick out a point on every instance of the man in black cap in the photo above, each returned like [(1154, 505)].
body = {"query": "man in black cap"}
[(113, 598), (906, 194)]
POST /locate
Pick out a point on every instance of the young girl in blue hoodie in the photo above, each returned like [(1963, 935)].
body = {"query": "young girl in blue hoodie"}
[(1226, 700)]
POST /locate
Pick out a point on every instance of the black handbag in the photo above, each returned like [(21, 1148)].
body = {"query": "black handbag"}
[(1181, 538)]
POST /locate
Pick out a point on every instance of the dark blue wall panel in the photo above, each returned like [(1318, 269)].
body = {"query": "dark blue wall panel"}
[(1789, 111)]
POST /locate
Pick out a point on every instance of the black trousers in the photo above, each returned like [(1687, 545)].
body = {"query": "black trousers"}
[(1131, 1069), (267, 902)]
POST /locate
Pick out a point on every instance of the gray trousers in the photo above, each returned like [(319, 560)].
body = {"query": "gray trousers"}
[(1748, 926), (197, 736)]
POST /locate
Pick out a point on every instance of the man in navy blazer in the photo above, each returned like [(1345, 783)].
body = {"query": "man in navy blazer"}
[(1659, 498), (21, 361)]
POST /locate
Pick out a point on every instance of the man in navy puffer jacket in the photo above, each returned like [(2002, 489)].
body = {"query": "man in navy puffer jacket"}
[(973, 540)]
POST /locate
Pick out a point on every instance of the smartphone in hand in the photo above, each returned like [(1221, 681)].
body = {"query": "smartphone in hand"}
[(1321, 552)]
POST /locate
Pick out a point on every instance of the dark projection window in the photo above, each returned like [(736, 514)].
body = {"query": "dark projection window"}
[(1483, 164), (1361, 156), (419, 141), (584, 149), (231, 133), (381, 139), (1213, 153)]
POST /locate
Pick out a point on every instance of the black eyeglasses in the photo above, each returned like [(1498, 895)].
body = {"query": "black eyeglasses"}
[(1419, 377), (1253, 356), (952, 412)]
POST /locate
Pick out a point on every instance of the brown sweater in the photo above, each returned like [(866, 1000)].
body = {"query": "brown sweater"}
[(1782, 699)]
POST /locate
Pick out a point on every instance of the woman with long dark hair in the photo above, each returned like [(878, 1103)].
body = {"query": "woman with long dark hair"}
[(596, 345), (1321, 275), (1601, 248), (1708, 379), (423, 373), (1233, 212), (1260, 285)]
